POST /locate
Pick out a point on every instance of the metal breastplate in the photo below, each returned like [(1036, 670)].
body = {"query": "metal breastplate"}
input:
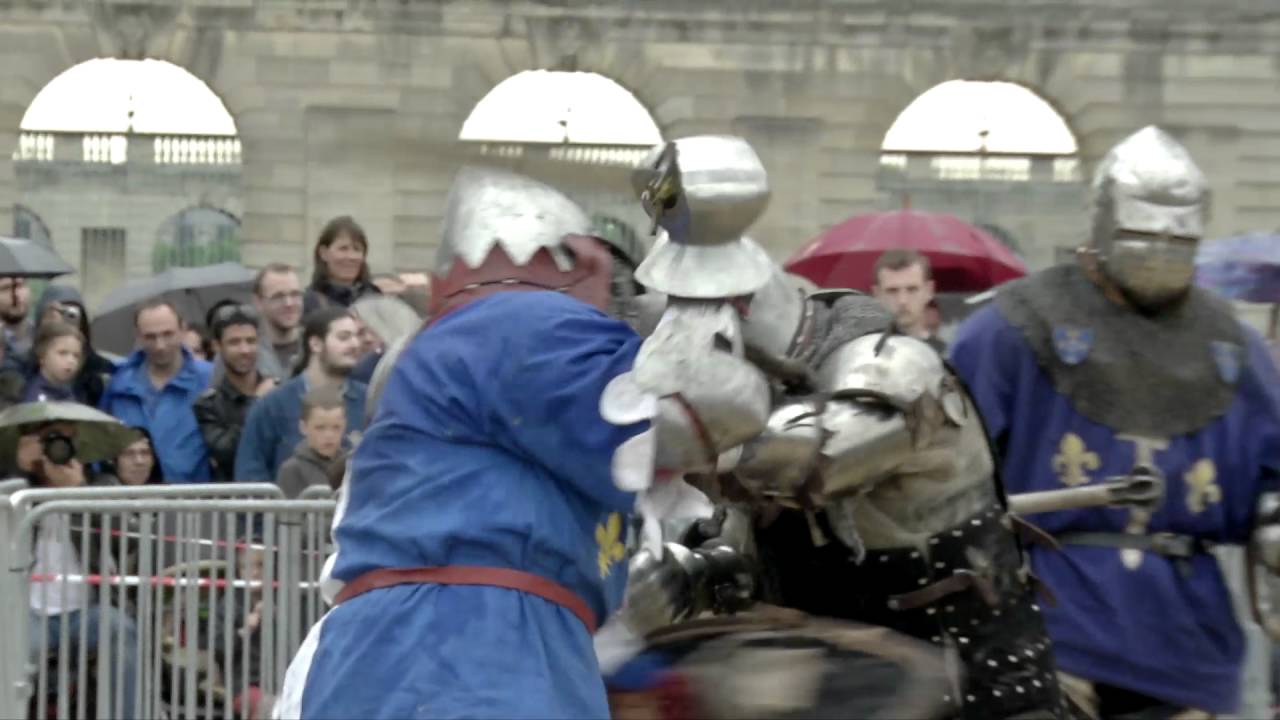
[(1162, 375)]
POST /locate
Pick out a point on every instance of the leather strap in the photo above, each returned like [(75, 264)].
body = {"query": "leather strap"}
[(472, 575), (1170, 545), (932, 593)]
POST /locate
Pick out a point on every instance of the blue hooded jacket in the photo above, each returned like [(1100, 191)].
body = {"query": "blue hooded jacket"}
[(172, 421)]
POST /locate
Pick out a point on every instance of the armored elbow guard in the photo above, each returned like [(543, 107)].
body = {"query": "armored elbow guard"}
[(1266, 532)]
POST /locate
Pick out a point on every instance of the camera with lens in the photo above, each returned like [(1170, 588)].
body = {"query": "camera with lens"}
[(59, 449), (70, 314)]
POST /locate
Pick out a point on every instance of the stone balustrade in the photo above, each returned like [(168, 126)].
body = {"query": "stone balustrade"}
[(900, 167), (122, 148)]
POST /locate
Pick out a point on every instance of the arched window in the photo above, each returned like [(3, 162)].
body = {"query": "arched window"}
[(543, 106), (27, 224), (107, 95), (196, 236)]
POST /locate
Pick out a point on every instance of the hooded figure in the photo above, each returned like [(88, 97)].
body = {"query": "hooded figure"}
[(96, 370)]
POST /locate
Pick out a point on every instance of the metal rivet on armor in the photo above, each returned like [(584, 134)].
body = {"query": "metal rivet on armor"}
[(956, 533), (996, 693), (974, 623), (1035, 607), (950, 608), (946, 698), (953, 630), (1019, 689), (975, 521), (1028, 653), (940, 565), (995, 613), (970, 698), (1013, 659), (914, 554), (894, 604), (936, 639), (884, 558), (963, 640), (992, 663), (933, 541), (924, 581), (930, 611), (1036, 683)]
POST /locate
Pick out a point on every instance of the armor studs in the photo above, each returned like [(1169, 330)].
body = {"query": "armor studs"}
[(1036, 683), (970, 698), (930, 611), (975, 522), (940, 565), (914, 554), (923, 581), (953, 630), (963, 640), (1019, 689), (933, 541), (936, 639), (991, 663), (950, 608)]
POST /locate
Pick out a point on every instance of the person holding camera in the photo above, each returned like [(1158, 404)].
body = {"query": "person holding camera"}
[(61, 608)]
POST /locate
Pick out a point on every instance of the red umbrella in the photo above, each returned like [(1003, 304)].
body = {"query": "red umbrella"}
[(964, 258)]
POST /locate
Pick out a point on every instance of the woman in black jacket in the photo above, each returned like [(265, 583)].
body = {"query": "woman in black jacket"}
[(341, 274)]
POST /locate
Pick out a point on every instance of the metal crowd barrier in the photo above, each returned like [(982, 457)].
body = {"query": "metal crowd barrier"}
[(186, 601)]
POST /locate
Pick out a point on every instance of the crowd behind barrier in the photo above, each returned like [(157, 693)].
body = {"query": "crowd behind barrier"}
[(201, 595)]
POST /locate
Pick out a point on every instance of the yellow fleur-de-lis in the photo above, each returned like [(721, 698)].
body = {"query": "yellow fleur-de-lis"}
[(1073, 459), (1202, 486), (609, 538)]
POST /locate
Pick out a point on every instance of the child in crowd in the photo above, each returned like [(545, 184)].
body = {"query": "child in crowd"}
[(324, 419), (59, 352)]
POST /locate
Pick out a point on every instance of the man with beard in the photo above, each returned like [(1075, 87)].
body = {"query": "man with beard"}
[(277, 294), (1119, 366), (221, 410), (155, 387), (15, 301), (330, 349)]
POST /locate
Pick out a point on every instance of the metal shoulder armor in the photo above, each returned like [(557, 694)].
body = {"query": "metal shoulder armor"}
[(889, 407)]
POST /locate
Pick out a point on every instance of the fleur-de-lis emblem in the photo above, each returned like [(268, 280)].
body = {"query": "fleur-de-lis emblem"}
[(609, 538), (1202, 486), (1073, 459)]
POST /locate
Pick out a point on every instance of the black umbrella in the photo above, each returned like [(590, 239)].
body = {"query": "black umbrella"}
[(192, 290), (23, 258)]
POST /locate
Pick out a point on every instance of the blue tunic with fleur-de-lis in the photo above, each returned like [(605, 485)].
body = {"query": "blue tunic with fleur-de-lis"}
[(1144, 623), (488, 449)]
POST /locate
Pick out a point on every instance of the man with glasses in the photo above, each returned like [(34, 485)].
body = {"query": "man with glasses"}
[(277, 294), (155, 387), (221, 410), (15, 301)]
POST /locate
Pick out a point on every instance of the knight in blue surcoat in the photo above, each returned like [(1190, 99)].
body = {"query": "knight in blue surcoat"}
[(1117, 366), (484, 528)]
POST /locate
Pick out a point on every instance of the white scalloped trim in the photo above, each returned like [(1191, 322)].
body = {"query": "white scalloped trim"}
[(624, 403), (633, 462)]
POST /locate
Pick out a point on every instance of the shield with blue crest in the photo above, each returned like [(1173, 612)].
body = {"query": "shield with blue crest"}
[(1229, 357), (1072, 343)]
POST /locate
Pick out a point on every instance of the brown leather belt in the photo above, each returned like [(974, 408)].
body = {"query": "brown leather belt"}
[(472, 575), (930, 594)]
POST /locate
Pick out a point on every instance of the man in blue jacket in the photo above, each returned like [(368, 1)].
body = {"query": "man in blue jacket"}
[(330, 347), (155, 388)]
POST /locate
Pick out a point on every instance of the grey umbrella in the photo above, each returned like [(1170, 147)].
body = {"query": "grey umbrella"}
[(23, 258), (191, 290), (98, 435)]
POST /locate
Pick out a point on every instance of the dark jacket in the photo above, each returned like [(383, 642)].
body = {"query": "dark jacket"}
[(304, 468), (323, 294), (178, 442), (97, 370), (220, 413), (39, 389), (271, 430)]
